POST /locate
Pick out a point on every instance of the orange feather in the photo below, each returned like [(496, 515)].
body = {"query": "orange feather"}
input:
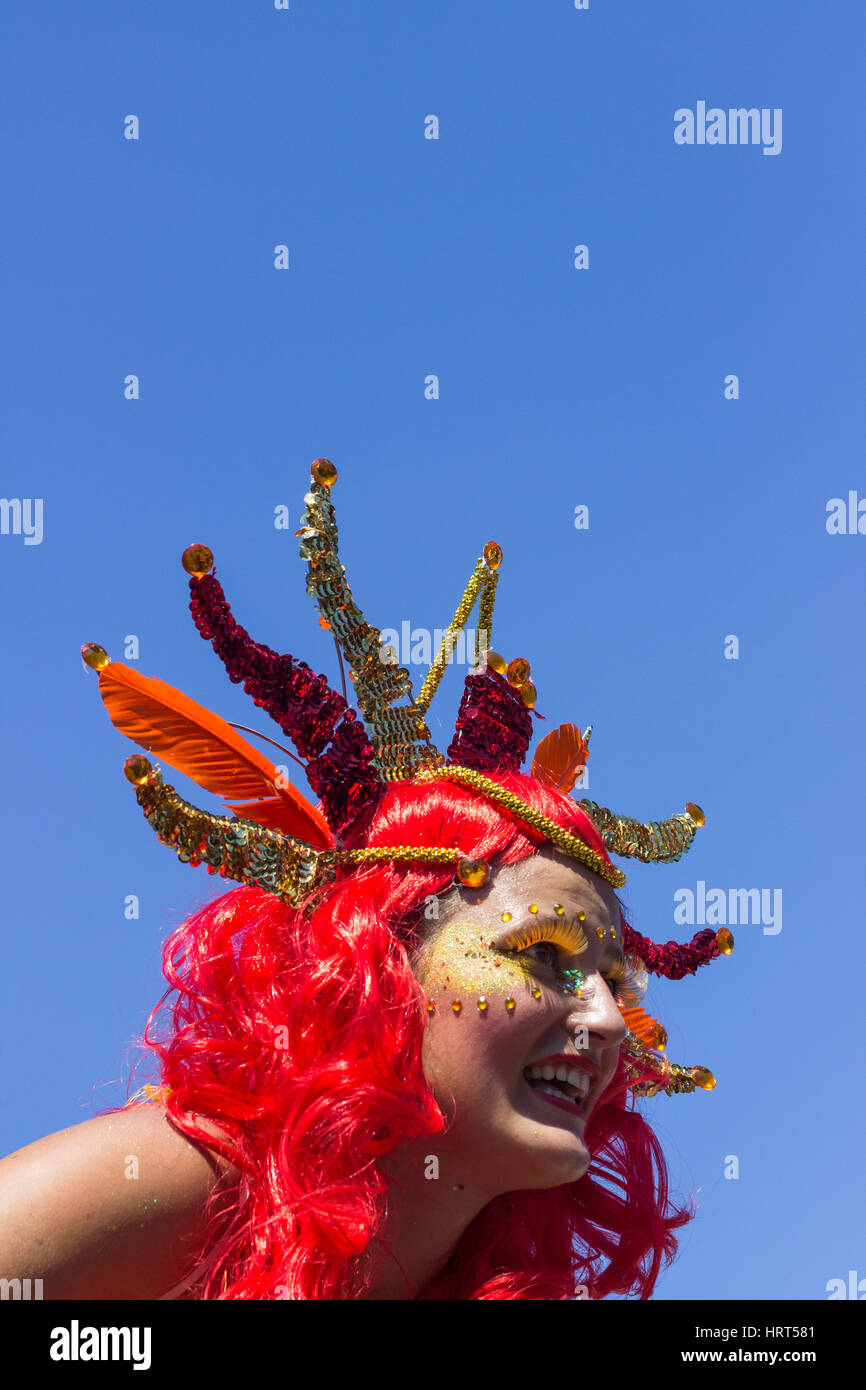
[(200, 744), (642, 1024), (560, 757)]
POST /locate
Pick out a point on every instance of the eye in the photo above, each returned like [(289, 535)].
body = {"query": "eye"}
[(551, 953)]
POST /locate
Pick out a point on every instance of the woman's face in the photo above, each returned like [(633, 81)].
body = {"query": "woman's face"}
[(506, 1134)]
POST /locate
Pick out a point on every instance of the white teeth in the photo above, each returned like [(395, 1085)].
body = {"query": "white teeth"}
[(578, 1079), (575, 1078)]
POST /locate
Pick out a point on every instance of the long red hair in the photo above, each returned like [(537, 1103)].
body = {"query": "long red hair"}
[(301, 1038)]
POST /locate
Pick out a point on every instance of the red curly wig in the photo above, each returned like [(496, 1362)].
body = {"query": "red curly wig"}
[(300, 1037)]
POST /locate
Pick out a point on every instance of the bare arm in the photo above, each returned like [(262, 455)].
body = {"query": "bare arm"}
[(110, 1208)]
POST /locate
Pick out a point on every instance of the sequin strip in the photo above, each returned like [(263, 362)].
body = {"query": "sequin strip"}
[(483, 581), (672, 960), (307, 710), (563, 839), (400, 737), (494, 726), (655, 841), (237, 849), (671, 1077)]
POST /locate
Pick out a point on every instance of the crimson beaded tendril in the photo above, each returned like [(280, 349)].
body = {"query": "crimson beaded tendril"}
[(671, 960), (494, 726), (307, 710)]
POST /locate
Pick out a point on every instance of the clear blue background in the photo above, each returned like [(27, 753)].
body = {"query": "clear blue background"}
[(605, 387)]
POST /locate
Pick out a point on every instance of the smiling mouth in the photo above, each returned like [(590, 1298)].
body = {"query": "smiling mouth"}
[(568, 1091)]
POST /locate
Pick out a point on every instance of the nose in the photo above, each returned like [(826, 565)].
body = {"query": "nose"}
[(598, 1012)]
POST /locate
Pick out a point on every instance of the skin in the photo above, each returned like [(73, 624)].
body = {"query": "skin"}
[(503, 1137), (73, 1213)]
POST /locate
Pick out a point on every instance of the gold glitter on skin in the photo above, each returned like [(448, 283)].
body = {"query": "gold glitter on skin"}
[(463, 960)]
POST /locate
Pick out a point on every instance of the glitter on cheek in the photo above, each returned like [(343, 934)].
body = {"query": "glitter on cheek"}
[(463, 962)]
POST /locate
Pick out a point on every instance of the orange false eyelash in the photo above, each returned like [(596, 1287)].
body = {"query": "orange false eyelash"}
[(568, 934), (629, 977)]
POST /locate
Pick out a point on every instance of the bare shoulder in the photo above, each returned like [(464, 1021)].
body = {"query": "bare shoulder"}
[(110, 1208)]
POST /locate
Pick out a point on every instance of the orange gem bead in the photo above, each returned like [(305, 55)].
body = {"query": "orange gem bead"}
[(197, 560), (137, 768), (528, 694), (324, 472), (482, 1004), (703, 1078), (517, 671), (492, 555), (94, 656), (497, 663), (457, 1006), (696, 813), (510, 1004), (725, 941), (660, 1037), (472, 872)]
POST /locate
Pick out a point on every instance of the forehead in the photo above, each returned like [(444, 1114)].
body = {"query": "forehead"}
[(543, 879)]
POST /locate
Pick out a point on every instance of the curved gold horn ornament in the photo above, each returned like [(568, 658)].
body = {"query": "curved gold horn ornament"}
[(652, 841)]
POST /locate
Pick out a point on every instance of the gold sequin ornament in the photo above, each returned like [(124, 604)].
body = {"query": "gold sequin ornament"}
[(725, 941), (197, 560), (94, 656), (137, 769), (324, 472), (703, 1078), (472, 872), (492, 555), (517, 671)]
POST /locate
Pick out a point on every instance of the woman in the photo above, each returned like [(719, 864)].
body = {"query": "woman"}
[(401, 1058)]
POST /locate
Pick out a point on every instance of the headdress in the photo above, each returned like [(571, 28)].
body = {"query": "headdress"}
[(278, 841)]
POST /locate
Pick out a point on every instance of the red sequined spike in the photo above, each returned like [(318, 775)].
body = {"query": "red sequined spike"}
[(322, 726), (671, 960), (494, 726)]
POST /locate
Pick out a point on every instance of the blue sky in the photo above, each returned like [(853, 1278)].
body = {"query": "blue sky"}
[(557, 388)]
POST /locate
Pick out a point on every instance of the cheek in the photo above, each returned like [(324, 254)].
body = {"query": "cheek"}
[(464, 975)]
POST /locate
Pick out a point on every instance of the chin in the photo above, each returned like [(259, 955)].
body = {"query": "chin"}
[(551, 1157)]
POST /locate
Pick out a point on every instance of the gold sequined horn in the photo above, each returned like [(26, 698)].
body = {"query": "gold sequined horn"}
[(399, 734), (238, 849), (652, 841)]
